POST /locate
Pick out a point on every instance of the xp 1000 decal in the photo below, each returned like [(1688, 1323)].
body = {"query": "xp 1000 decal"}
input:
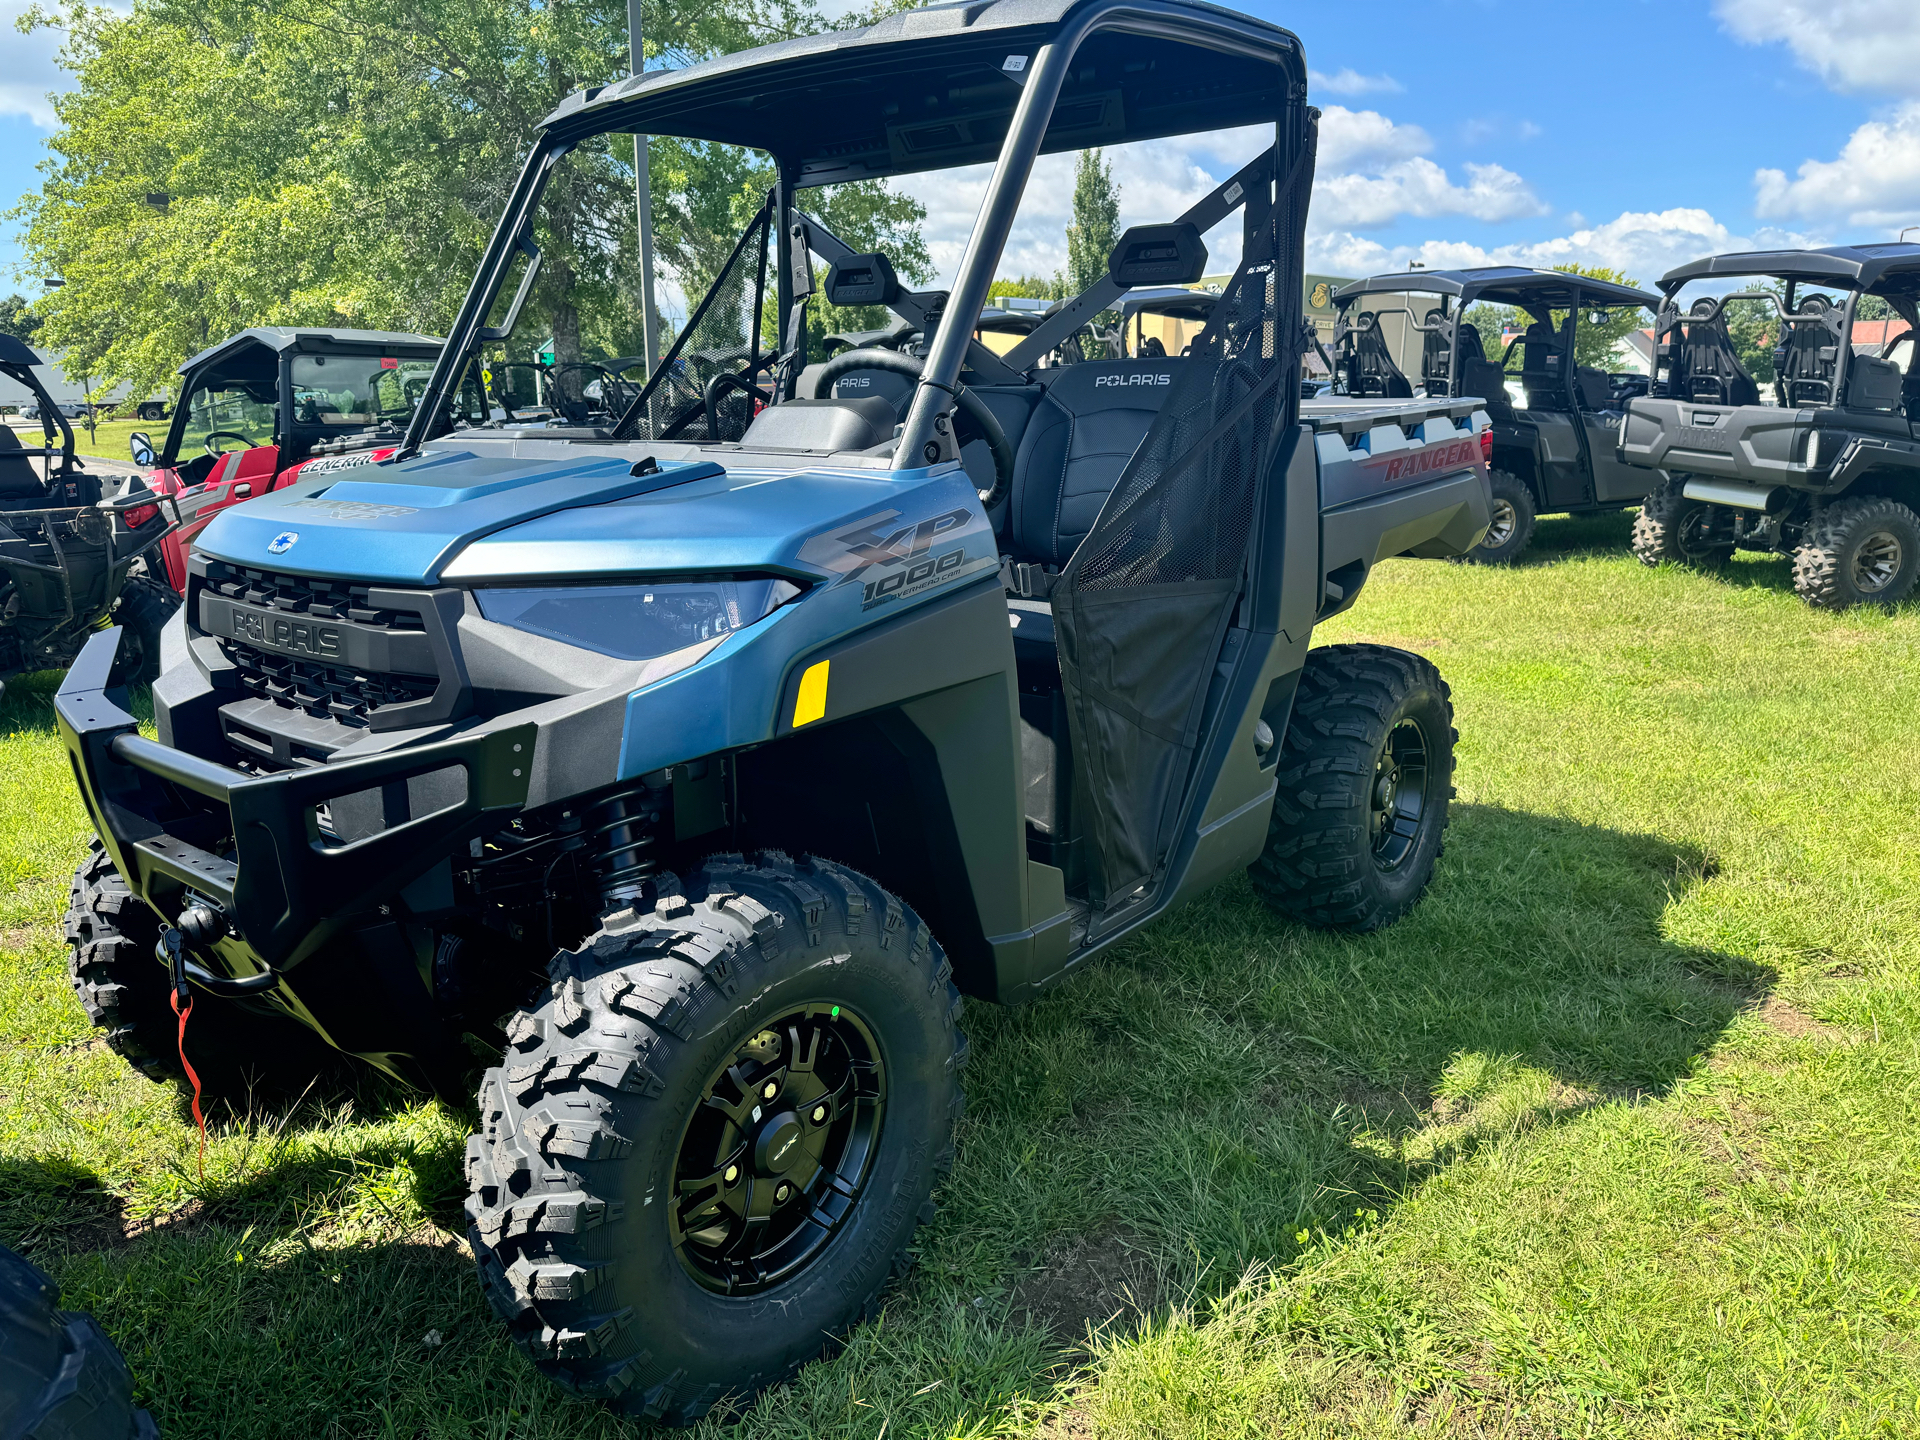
[(892, 557)]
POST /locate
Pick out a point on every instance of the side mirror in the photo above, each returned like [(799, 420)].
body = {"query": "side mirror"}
[(141, 444)]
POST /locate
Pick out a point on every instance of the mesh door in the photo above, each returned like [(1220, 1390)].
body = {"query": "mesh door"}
[(723, 339), (1141, 608)]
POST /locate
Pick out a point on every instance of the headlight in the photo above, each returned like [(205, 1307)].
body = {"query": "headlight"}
[(636, 622)]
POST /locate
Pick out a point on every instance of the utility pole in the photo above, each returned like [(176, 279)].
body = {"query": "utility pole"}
[(644, 207)]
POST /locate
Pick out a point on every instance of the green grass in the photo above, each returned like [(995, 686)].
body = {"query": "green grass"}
[(109, 438), (1615, 1134)]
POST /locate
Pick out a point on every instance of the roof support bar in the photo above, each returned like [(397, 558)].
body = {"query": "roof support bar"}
[(1243, 187)]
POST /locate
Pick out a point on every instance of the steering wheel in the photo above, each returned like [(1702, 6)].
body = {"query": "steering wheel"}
[(214, 435), (974, 413)]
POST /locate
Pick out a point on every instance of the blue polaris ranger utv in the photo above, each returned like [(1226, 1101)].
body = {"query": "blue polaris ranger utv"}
[(696, 764)]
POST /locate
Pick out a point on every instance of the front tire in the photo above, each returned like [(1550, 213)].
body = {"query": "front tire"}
[(1364, 780), (1671, 527), (1510, 521), (143, 610), (656, 1228), (1858, 551)]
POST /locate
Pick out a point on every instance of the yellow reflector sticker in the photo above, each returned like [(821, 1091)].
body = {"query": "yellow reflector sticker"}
[(811, 704)]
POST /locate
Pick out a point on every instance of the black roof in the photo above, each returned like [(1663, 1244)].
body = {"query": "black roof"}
[(14, 351), (1502, 285), (932, 88), (321, 340), (1860, 266)]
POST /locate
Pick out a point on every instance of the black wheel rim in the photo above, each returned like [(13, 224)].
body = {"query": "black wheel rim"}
[(1877, 561), (1397, 803), (774, 1158)]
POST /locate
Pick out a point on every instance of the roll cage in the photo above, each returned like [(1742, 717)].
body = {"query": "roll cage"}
[(929, 89), (1694, 358), (1365, 365)]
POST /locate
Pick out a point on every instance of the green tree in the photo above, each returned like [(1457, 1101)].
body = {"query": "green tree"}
[(1097, 216), (17, 318), (1031, 287), (1594, 341), (1489, 321), (223, 163)]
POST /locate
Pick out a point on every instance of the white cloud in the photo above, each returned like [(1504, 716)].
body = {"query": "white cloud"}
[(27, 68), (1419, 187), (1643, 244), (1352, 136), (1850, 44), (1349, 81), (1158, 180), (1371, 170), (1874, 182)]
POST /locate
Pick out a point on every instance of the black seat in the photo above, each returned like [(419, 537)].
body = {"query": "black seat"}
[(1370, 366), (1710, 370), (1542, 356), (1805, 359), (1479, 375), (18, 480), (1084, 431)]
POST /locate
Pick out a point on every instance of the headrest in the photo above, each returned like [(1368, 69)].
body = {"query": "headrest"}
[(1539, 333), (1433, 316), (1813, 305), (1702, 309), (1471, 333), (1158, 255), (862, 280)]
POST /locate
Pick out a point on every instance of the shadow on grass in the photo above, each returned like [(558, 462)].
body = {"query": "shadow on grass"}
[(1231, 1086), (1217, 1094)]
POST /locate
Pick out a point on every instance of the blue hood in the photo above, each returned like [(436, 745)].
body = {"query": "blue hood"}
[(402, 527)]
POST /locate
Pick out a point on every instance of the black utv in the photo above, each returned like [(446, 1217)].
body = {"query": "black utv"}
[(722, 763), (1556, 423), (71, 560), (1821, 463)]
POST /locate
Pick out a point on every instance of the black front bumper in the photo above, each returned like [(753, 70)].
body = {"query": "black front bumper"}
[(253, 845)]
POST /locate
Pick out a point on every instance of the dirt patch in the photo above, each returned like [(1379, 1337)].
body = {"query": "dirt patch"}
[(1107, 1281), (1073, 1424), (1790, 1022), (20, 938)]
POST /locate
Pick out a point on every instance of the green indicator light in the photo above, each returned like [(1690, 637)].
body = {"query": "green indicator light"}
[(833, 1013)]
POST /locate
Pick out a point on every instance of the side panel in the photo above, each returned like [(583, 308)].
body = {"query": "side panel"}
[(939, 686), (1759, 443)]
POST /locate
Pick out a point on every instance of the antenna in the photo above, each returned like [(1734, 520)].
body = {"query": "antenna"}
[(1904, 234)]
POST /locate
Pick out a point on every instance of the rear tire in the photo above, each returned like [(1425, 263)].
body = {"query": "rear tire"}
[(143, 610), (1858, 551), (1510, 523), (1673, 528), (239, 1053), (1365, 777), (611, 1235)]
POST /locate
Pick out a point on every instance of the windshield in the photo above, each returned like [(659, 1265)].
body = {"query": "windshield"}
[(228, 415), (356, 390)]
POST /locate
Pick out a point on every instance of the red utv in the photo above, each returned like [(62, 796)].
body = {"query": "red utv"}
[(275, 402)]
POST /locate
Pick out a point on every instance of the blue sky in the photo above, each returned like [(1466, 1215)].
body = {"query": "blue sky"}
[(1630, 133)]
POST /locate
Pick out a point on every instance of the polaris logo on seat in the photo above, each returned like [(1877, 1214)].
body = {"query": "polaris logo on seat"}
[(1165, 377)]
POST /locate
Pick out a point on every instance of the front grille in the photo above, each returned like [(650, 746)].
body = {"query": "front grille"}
[(334, 692)]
